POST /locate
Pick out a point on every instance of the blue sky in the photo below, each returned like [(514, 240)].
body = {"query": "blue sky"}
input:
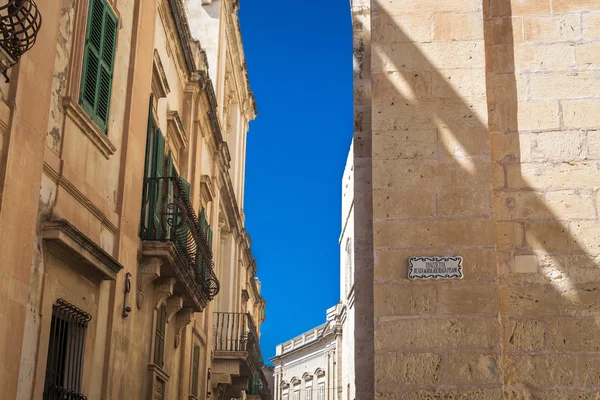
[(299, 58)]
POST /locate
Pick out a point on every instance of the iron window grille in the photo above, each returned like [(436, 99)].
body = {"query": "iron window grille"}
[(195, 368), (159, 342), (64, 367)]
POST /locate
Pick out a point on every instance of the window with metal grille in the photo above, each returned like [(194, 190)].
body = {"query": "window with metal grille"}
[(66, 348), (296, 394), (308, 393), (195, 368), (159, 341), (98, 62)]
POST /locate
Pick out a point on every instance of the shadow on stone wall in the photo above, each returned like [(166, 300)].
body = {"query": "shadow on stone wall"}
[(429, 123)]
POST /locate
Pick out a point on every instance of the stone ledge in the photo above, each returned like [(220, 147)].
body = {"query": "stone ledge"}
[(68, 243)]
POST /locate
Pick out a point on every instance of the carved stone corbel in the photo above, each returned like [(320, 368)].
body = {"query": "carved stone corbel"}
[(174, 304), (148, 273), (163, 290), (183, 319)]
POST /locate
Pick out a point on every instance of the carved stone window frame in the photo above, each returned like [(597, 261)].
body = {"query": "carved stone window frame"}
[(73, 85)]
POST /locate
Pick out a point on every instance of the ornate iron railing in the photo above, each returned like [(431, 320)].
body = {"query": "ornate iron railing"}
[(168, 216), (260, 387), (237, 332)]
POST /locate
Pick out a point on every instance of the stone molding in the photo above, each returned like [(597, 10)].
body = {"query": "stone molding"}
[(174, 304), (184, 317), (83, 254), (176, 126), (163, 290), (162, 76), (88, 127), (183, 31), (148, 273)]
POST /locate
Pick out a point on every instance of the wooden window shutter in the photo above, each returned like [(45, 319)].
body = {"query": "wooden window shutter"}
[(98, 62)]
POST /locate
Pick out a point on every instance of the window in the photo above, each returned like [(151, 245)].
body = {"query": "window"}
[(98, 62), (308, 393), (159, 341), (285, 396), (64, 367), (195, 367), (321, 392), (296, 394), (348, 266)]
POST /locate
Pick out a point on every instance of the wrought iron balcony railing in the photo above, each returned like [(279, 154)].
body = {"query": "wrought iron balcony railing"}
[(236, 332), (260, 387), (168, 216)]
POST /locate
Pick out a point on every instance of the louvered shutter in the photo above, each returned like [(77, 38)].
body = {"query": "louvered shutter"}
[(183, 231), (148, 192), (98, 63), (158, 189)]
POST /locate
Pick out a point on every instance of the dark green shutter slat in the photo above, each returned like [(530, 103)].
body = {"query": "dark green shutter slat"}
[(195, 367), (158, 171), (210, 237), (90, 76), (148, 192), (95, 26)]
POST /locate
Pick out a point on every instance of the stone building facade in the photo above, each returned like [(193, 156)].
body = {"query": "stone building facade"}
[(346, 315), (307, 367), (476, 135), (125, 260)]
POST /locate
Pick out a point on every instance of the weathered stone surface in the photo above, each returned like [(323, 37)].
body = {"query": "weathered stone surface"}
[(398, 300), (408, 368), (447, 333), (539, 371), (529, 300), (524, 335), (472, 369), (460, 298), (574, 335)]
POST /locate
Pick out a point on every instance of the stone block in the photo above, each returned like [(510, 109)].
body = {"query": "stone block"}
[(524, 335), (582, 300), (472, 369), (532, 300), (570, 204), (444, 394), (540, 371), (547, 236), (394, 88), (498, 176), (422, 7), (524, 205), (574, 334), (537, 115), (403, 203), (543, 57), (466, 202), (510, 147), (593, 141), (458, 26), (566, 6), (509, 235), (552, 28), (455, 333), (590, 25), (590, 370), (464, 298), (396, 300), (462, 146), (564, 85), (428, 56), (566, 270), (459, 83), (408, 368), (586, 235), (588, 55), (443, 233), (519, 7), (503, 30), (581, 113), (558, 146), (559, 176), (402, 28), (419, 145), (518, 393)]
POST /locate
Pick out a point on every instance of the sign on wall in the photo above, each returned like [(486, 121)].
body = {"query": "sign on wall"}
[(435, 268)]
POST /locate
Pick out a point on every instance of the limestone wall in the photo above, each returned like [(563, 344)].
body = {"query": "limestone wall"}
[(483, 146)]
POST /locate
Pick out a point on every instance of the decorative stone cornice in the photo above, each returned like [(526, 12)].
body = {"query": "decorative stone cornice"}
[(183, 319), (83, 254), (162, 76), (163, 290), (183, 30), (174, 304)]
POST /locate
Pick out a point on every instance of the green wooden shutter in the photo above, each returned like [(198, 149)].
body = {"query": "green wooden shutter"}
[(210, 237), (183, 232), (148, 194), (98, 62), (195, 370), (157, 171)]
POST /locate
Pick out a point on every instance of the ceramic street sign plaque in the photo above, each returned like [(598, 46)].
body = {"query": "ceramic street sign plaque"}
[(435, 268)]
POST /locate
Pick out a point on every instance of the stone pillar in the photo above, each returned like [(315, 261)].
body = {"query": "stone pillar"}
[(431, 195)]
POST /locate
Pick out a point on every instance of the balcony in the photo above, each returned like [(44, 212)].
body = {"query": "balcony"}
[(171, 232), (259, 388), (237, 356)]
